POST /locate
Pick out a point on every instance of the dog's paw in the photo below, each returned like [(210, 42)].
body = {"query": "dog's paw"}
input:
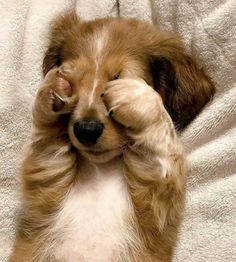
[(132, 103), (56, 93)]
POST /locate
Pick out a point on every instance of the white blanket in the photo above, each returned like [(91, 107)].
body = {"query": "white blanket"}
[(209, 30)]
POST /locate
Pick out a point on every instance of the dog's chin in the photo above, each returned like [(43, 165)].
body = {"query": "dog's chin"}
[(101, 157)]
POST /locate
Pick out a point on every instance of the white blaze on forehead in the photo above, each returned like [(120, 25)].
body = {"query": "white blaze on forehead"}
[(99, 41)]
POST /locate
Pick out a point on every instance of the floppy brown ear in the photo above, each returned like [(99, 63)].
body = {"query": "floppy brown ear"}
[(63, 34), (184, 87)]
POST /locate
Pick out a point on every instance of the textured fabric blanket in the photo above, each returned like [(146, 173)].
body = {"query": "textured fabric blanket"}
[(209, 31)]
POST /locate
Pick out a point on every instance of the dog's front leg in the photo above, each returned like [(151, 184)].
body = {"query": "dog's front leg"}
[(154, 163), (50, 159), (48, 168)]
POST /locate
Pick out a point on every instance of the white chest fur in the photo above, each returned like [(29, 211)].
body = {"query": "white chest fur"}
[(93, 222)]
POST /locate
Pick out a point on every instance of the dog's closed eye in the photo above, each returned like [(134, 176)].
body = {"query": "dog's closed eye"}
[(116, 76)]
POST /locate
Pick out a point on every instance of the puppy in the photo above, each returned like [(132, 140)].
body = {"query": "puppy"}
[(104, 175)]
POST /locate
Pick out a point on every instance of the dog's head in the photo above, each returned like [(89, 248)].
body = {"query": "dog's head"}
[(106, 49)]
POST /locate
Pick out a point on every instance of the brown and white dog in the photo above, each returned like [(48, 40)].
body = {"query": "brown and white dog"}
[(104, 176)]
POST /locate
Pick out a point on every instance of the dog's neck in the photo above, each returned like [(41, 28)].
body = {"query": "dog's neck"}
[(90, 169)]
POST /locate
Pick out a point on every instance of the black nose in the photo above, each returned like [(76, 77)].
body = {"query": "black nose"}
[(88, 131)]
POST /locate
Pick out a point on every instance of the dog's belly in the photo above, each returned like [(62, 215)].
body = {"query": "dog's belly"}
[(93, 222)]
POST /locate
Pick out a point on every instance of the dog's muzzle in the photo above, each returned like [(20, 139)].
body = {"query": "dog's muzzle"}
[(88, 131)]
